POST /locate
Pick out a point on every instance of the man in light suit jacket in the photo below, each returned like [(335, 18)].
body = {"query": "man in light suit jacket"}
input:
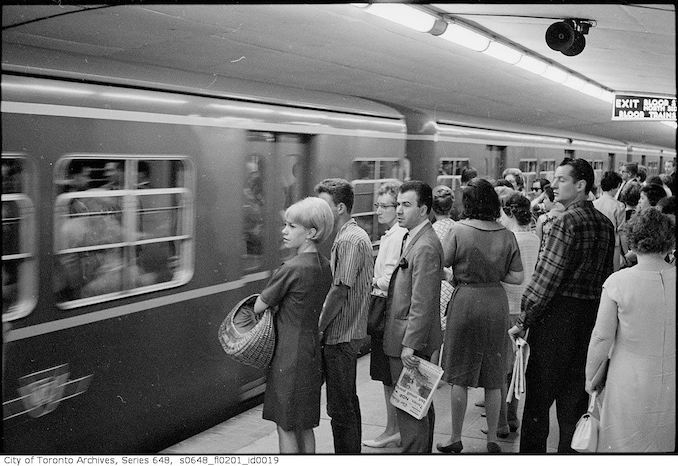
[(412, 318)]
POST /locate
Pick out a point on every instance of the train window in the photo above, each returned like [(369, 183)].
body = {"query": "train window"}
[(652, 167), (122, 226), (453, 181), (368, 175), (528, 165), (452, 166), (18, 230), (547, 168)]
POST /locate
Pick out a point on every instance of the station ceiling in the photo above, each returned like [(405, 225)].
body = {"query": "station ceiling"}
[(340, 48)]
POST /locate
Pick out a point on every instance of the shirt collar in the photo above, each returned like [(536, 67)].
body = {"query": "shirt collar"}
[(416, 229)]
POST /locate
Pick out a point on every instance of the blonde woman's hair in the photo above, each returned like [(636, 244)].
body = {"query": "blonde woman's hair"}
[(313, 212)]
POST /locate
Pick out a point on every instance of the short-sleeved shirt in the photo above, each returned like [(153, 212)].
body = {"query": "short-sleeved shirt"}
[(352, 265)]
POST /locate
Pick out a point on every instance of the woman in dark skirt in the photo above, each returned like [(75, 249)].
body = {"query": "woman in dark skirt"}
[(298, 288), (482, 253)]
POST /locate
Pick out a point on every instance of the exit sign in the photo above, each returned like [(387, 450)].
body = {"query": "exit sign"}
[(643, 107)]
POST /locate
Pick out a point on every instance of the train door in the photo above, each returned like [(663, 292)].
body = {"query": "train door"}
[(276, 175)]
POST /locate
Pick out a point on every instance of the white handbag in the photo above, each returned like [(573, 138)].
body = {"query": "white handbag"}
[(585, 438)]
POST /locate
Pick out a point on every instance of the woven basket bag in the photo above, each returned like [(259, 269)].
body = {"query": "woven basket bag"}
[(246, 337)]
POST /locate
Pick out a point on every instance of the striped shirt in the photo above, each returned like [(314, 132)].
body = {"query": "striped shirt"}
[(387, 258), (352, 265), (575, 262)]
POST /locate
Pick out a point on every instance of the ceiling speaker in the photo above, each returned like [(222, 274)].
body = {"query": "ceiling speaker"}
[(560, 36), (577, 46)]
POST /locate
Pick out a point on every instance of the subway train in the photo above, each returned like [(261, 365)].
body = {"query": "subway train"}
[(136, 213)]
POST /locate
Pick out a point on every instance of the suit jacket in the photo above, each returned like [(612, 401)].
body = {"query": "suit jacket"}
[(413, 303)]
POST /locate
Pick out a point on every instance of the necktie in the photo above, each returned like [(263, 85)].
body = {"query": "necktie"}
[(402, 246)]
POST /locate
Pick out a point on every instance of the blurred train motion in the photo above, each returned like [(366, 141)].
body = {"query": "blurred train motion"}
[(135, 215)]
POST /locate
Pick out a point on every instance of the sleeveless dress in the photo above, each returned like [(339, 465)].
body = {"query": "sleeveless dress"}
[(294, 377), (480, 253), (638, 413)]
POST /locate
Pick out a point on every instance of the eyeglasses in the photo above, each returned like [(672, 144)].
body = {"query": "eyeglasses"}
[(383, 206), (536, 189)]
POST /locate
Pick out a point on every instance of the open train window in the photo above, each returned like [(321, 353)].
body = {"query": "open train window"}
[(19, 274), (368, 175), (123, 225)]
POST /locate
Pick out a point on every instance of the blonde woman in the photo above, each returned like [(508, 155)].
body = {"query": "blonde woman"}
[(298, 288)]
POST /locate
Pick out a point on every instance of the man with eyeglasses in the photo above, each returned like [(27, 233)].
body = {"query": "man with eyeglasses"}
[(537, 204), (629, 175)]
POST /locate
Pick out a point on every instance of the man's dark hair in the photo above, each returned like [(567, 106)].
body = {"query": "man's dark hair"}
[(502, 182), (654, 192), (581, 170), (631, 196), (654, 179), (549, 193), (467, 174), (423, 190), (632, 168), (480, 200), (610, 181), (340, 189), (667, 205), (543, 182)]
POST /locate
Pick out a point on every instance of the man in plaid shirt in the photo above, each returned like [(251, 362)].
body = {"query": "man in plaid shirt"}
[(559, 307)]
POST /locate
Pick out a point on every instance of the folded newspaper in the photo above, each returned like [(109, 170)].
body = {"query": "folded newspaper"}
[(414, 390)]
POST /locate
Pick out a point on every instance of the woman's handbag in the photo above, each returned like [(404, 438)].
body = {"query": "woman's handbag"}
[(585, 438), (247, 337), (376, 316)]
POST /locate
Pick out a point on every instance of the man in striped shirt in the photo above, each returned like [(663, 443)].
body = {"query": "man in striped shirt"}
[(343, 321), (559, 307)]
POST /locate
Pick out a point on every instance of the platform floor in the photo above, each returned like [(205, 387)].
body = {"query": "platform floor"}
[(248, 433)]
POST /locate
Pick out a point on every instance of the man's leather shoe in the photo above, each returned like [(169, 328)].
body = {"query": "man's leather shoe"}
[(454, 447)]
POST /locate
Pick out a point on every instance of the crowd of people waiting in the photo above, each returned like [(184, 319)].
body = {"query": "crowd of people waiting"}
[(586, 274)]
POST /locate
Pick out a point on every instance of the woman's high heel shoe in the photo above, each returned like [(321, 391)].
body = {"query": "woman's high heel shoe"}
[(383, 443), (454, 447)]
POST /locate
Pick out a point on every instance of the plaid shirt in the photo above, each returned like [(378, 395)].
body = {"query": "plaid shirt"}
[(576, 260)]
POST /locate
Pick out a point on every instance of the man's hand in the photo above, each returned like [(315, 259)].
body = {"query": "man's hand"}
[(515, 332), (408, 358)]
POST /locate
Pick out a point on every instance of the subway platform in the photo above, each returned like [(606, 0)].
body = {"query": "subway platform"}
[(248, 433)]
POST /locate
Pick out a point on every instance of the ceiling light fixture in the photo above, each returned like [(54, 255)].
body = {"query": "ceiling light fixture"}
[(466, 37), (568, 39), (503, 52), (403, 15)]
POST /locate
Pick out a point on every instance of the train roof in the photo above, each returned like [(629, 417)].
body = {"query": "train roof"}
[(341, 49)]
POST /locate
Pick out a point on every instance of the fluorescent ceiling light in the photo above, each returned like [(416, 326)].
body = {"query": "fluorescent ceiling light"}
[(555, 74), (46, 88), (671, 124), (403, 15), (592, 90), (532, 64), (125, 96), (606, 96), (503, 52), (574, 82), (466, 37)]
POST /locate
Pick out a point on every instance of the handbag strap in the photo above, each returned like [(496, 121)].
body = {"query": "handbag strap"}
[(592, 402)]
